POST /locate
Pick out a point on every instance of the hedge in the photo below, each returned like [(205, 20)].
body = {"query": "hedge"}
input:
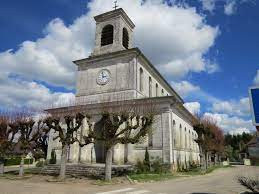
[(16, 161)]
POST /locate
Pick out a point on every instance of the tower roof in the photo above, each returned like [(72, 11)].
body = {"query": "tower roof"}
[(112, 14)]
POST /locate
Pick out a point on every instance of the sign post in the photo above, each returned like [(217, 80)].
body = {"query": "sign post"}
[(254, 103)]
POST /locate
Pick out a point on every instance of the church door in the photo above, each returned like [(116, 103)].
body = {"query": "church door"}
[(100, 152)]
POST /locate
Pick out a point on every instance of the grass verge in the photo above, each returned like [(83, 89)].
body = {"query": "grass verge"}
[(198, 171), (148, 177), (152, 177)]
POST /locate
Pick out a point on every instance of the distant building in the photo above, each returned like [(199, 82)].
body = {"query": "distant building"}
[(253, 150), (116, 71)]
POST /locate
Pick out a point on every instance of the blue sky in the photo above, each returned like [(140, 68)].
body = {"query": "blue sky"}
[(207, 50)]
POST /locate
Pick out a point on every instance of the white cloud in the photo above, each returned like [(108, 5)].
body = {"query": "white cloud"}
[(185, 88), (180, 35), (50, 58), (230, 7), (256, 79), (239, 108), (208, 5), (20, 93), (193, 107), (231, 124)]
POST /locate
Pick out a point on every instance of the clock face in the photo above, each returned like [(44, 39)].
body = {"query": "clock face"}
[(103, 77)]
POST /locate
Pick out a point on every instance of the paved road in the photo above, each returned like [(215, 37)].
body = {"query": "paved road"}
[(220, 181)]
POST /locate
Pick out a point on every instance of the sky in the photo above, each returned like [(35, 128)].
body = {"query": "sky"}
[(206, 49)]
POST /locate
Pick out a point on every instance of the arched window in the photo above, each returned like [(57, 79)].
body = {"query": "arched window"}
[(185, 138), (156, 90), (162, 92), (141, 79), (125, 38), (150, 139), (174, 134), (150, 87), (181, 136), (107, 35)]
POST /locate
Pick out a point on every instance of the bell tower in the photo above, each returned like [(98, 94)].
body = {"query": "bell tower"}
[(114, 32)]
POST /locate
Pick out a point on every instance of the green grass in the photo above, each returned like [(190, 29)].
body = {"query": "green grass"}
[(152, 177), (15, 177), (198, 171), (148, 177)]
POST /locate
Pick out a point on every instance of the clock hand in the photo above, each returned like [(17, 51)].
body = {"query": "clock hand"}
[(103, 76)]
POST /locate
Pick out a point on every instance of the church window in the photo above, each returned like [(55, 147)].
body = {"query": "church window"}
[(107, 35), (150, 140), (162, 91), (181, 141), (185, 138), (141, 79), (174, 134), (156, 90), (150, 87), (125, 38)]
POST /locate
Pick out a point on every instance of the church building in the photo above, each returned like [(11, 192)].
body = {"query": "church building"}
[(117, 71)]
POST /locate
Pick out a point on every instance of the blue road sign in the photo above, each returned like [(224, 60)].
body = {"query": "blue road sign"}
[(254, 102)]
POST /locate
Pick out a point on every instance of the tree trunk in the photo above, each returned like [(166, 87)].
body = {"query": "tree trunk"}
[(202, 158), (1, 168), (21, 170), (108, 165), (206, 160), (62, 173)]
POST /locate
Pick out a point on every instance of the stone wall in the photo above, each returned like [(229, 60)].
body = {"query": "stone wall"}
[(169, 141)]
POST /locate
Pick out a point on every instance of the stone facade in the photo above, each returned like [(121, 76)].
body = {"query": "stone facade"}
[(132, 78)]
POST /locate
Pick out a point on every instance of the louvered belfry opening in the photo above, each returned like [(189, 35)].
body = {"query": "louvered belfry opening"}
[(107, 35), (125, 41)]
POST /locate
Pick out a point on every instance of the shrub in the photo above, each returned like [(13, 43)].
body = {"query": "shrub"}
[(193, 165), (16, 161), (53, 159), (158, 167), (140, 167), (250, 183), (1, 160), (38, 154), (40, 164), (146, 161), (155, 166)]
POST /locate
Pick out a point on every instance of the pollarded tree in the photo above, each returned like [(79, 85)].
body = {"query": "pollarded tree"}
[(7, 136), (200, 130), (29, 133), (66, 134), (128, 126), (41, 148)]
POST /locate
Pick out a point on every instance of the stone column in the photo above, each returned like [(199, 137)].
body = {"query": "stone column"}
[(51, 144), (85, 153), (117, 154), (167, 136), (173, 140), (131, 156), (74, 149)]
